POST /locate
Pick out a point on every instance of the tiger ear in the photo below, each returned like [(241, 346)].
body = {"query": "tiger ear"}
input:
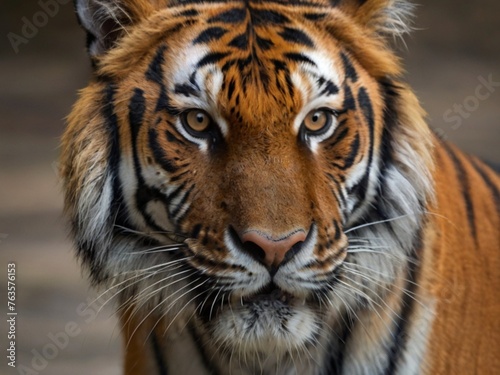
[(106, 21), (382, 17)]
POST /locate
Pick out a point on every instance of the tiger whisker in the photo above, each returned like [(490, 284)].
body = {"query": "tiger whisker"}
[(159, 249), (377, 222), (139, 301), (166, 269), (142, 276), (153, 310), (378, 272), (348, 307), (399, 259), (180, 311), (126, 287), (373, 302), (402, 289), (353, 313), (213, 303), (157, 266), (367, 297), (356, 247), (143, 295), (142, 299), (130, 230), (115, 286)]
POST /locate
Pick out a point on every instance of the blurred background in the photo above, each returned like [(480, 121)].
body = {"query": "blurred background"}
[(455, 49)]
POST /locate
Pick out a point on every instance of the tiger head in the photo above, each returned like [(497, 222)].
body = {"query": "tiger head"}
[(237, 164)]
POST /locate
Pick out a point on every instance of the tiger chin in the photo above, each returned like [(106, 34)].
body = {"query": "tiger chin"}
[(256, 187)]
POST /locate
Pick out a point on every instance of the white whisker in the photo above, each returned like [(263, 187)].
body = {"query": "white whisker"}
[(377, 222)]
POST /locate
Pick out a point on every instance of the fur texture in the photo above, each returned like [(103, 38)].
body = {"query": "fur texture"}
[(397, 269)]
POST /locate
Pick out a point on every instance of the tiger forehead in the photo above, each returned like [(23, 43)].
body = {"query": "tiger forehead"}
[(257, 51)]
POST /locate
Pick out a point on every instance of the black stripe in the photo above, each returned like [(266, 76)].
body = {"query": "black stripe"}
[(391, 122), (189, 13), (349, 70), (366, 106), (463, 181), (199, 346), (361, 187), (340, 133), (163, 103), (281, 66), (118, 212), (299, 57), (183, 201), (349, 102), (335, 362), (243, 63), (196, 231), (155, 69), (160, 361), (179, 176), (263, 16), (230, 89), (408, 302), (144, 193), (172, 138), (137, 108), (338, 232), (111, 120), (315, 16), (155, 73), (212, 33), (87, 251), (235, 15), (330, 88), (296, 36), (494, 189), (349, 160), (176, 192), (240, 42), (339, 196), (159, 153), (212, 58), (264, 44), (186, 89)]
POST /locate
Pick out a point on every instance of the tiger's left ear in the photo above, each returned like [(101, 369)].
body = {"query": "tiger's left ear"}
[(106, 21), (382, 17)]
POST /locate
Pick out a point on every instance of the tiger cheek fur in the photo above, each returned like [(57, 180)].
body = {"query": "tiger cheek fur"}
[(258, 189)]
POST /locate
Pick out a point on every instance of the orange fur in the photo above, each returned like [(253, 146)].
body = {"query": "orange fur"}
[(464, 275), (285, 187)]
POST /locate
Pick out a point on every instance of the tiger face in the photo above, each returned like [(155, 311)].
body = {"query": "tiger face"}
[(223, 166)]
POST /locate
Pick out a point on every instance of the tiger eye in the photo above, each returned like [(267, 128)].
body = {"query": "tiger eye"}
[(197, 120), (316, 120)]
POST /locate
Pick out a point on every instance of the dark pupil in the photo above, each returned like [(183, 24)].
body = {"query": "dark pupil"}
[(200, 118), (316, 117)]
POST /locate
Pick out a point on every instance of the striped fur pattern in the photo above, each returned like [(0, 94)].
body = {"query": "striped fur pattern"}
[(397, 271)]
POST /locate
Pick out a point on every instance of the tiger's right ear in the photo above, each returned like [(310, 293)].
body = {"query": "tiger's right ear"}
[(106, 21)]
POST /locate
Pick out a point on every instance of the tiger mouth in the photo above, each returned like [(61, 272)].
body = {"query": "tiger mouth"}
[(270, 293)]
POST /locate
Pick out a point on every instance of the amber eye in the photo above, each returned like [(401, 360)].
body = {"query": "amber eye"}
[(196, 120), (317, 120)]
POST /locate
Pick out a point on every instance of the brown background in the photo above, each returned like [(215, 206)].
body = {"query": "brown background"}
[(457, 42)]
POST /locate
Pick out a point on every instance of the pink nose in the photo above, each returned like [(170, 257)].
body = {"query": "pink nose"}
[(270, 251)]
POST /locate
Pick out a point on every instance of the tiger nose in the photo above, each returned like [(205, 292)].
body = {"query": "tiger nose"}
[(272, 252)]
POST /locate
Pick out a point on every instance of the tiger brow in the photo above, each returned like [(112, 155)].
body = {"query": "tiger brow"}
[(189, 88)]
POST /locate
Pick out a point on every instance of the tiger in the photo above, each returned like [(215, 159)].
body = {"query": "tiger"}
[(256, 188)]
